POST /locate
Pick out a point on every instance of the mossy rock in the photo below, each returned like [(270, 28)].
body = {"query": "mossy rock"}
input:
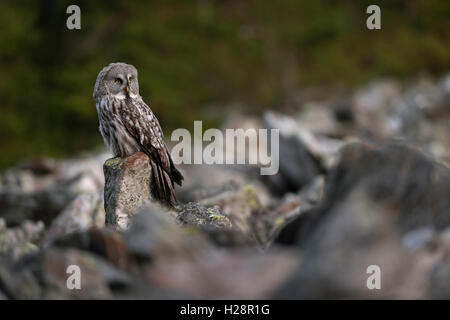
[(199, 215)]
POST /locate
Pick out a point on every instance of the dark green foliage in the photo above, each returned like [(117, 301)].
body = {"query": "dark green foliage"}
[(194, 54)]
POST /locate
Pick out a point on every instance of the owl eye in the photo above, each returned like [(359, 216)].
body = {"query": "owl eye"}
[(118, 81)]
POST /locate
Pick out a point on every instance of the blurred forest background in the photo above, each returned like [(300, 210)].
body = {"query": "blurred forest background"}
[(198, 59)]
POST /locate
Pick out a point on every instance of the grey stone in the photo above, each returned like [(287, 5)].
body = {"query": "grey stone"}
[(374, 198), (200, 216), (19, 241), (84, 211), (19, 283), (303, 154), (418, 238), (154, 234), (231, 274), (148, 227), (16, 207), (105, 242), (52, 267), (127, 188)]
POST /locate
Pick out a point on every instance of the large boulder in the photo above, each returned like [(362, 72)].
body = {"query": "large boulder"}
[(84, 211), (305, 155), (386, 207), (127, 188)]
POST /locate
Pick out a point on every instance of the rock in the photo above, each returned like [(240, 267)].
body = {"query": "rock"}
[(19, 283), (154, 234), (201, 216), (127, 188), (45, 276), (237, 274), (84, 211), (298, 167), (43, 206), (417, 115), (239, 207), (105, 242), (244, 217), (374, 199), (336, 255), (313, 193), (149, 226), (89, 167), (38, 174), (305, 155), (19, 241), (293, 208), (29, 177), (419, 238), (373, 109), (198, 193), (335, 208), (40, 189), (214, 223), (318, 118), (401, 178), (439, 285), (95, 275)]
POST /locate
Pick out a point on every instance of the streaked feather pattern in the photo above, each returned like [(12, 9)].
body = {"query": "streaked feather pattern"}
[(127, 126)]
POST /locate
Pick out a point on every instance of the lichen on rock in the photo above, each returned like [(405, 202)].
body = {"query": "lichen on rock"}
[(198, 215)]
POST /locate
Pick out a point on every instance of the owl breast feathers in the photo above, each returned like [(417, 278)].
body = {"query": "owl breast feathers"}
[(128, 126)]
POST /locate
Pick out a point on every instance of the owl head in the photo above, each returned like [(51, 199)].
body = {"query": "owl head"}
[(119, 80)]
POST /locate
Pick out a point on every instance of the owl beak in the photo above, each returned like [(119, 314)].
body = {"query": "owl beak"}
[(127, 89)]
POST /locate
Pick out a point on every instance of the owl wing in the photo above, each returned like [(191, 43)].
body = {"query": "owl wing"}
[(142, 124)]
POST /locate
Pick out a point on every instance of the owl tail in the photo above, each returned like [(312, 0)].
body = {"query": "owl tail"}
[(177, 177), (162, 185)]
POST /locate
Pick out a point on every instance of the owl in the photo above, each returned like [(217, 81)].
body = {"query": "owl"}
[(128, 126)]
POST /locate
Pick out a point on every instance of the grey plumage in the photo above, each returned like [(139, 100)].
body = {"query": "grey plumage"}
[(127, 126)]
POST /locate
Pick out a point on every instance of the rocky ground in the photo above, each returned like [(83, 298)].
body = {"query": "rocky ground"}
[(363, 181)]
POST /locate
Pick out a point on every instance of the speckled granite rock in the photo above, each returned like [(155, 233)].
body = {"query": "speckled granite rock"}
[(127, 188)]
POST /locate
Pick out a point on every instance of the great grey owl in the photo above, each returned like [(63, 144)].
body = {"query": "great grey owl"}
[(128, 126)]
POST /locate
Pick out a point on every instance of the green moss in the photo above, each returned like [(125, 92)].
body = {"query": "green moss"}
[(113, 164)]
